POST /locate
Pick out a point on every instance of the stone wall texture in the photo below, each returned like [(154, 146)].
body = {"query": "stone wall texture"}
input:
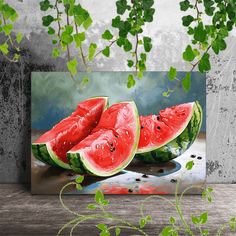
[(169, 40)]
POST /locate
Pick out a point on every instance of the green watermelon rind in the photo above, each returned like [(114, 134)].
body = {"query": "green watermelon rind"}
[(177, 145), (43, 151), (79, 163)]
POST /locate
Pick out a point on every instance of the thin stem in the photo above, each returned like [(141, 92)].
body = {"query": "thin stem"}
[(75, 225), (66, 225), (99, 52), (58, 20)]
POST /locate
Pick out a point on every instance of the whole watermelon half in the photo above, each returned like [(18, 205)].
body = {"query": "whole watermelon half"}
[(112, 144), (52, 146), (167, 135)]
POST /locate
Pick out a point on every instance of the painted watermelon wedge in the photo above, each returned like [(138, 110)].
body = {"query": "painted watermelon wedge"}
[(167, 135), (52, 146), (112, 144)]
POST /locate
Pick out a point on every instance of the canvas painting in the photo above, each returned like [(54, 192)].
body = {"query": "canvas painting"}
[(138, 140)]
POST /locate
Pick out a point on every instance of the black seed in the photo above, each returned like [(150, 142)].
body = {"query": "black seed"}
[(142, 127), (158, 117), (138, 179), (158, 127), (199, 158), (144, 176), (114, 148), (193, 156), (173, 180), (111, 144), (130, 190), (160, 171), (116, 135)]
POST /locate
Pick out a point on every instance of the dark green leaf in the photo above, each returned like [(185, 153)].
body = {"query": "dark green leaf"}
[(131, 81), (172, 73), (143, 57), (121, 6), (106, 51), (187, 20), (127, 45), (204, 64), (200, 33), (184, 5), (116, 22), (130, 63), (87, 23), (66, 38), (47, 20), (189, 165), (51, 30), (44, 5), (147, 4), (107, 35), (148, 14), (188, 54), (147, 44)]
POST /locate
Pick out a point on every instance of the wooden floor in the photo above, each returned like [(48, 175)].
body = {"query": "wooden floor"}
[(24, 214)]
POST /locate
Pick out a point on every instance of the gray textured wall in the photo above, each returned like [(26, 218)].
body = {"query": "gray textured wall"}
[(169, 40)]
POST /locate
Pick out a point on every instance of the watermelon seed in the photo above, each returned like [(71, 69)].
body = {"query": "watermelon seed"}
[(116, 135), (193, 156), (158, 127), (130, 190), (138, 179), (112, 149), (144, 176), (199, 158), (173, 180), (142, 127), (158, 117)]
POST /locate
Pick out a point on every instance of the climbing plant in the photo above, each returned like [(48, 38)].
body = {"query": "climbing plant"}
[(9, 44)]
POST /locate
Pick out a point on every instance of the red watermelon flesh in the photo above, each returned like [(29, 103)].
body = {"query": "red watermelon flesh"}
[(112, 144), (52, 146), (157, 130)]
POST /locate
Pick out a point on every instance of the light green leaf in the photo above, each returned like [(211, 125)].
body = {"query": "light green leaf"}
[(203, 218), (72, 66), (102, 226), (99, 197), (91, 207), (7, 29), (92, 50), (172, 73), (195, 220), (142, 223), (186, 82), (118, 231), (19, 37), (55, 53), (79, 179), (131, 81), (189, 165), (79, 38), (4, 48), (87, 23), (172, 220)]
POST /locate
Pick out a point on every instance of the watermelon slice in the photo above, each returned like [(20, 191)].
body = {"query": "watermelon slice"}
[(52, 146), (167, 135), (112, 144)]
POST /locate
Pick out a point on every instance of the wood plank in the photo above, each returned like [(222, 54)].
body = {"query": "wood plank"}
[(42, 215)]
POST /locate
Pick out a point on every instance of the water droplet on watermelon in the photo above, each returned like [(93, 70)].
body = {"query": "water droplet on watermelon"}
[(127, 132), (97, 146)]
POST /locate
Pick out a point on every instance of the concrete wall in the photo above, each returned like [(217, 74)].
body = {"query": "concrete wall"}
[(169, 39)]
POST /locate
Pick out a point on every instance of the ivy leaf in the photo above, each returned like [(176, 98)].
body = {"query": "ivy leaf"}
[(142, 223), (91, 207), (184, 5), (147, 44), (102, 227), (107, 35), (4, 48), (47, 20), (105, 202), (168, 231), (92, 50), (99, 197), (106, 51), (172, 73), (148, 218), (148, 14), (130, 63), (172, 220), (117, 231), (188, 54), (121, 6), (186, 81), (7, 29), (187, 20), (195, 220), (55, 53), (51, 31), (127, 45), (232, 223), (131, 81), (200, 34), (19, 37), (147, 4), (79, 187), (189, 165), (79, 179), (9, 12), (203, 218), (116, 22), (105, 233), (79, 38), (87, 23), (45, 5), (204, 64), (72, 66), (66, 38)]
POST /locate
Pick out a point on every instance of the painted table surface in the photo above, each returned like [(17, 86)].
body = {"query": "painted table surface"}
[(137, 178), (24, 214)]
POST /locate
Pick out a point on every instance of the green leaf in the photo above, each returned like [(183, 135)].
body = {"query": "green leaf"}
[(205, 232), (130, 63), (105, 202), (195, 220), (102, 227), (79, 187), (148, 218), (79, 38), (66, 38), (79, 179), (143, 57), (131, 81), (55, 53), (116, 22), (172, 220), (47, 20), (188, 54), (186, 82), (172, 73), (147, 4), (45, 5), (99, 197), (106, 51), (189, 165), (7, 29), (148, 14), (51, 30), (203, 218), (142, 223), (54, 41), (168, 231), (9, 12), (19, 37), (91, 207), (92, 50), (4, 48), (117, 231), (147, 44), (187, 20), (87, 23), (105, 233), (107, 35), (200, 34), (127, 45), (204, 64), (184, 5), (84, 81), (121, 6), (72, 66)]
